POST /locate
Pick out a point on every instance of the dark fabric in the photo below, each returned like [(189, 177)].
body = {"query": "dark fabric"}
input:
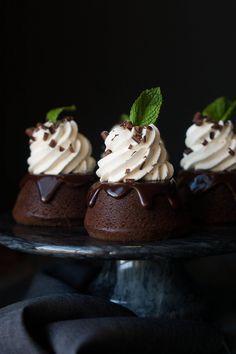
[(56, 318)]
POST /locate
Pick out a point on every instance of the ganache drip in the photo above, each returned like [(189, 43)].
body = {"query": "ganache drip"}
[(48, 185), (146, 191)]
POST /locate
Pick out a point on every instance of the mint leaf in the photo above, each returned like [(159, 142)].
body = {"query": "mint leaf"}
[(217, 109), (146, 108), (53, 115), (230, 113)]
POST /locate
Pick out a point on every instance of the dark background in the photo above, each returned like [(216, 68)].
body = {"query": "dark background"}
[(100, 55)]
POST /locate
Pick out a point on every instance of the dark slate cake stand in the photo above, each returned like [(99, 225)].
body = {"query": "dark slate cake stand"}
[(148, 278)]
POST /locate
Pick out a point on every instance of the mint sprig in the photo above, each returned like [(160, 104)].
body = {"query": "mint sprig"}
[(53, 114), (220, 109), (230, 113), (146, 108)]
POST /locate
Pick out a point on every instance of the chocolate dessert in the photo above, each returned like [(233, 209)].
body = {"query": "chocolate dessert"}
[(207, 183), (136, 197), (61, 168), (209, 196)]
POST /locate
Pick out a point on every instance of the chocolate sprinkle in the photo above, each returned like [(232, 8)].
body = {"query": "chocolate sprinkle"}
[(114, 137), (142, 166), (29, 132), (231, 152), (107, 152), (61, 148), (45, 136), (52, 129), (205, 142), (198, 118), (217, 126), (52, 143), (127, 125), (127, 170), (71, 148), (212, 135), (139, 129), (104, 135), (188, 151), (130, 146), (137, 138)]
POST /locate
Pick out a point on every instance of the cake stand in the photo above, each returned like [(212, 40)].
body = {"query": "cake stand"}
[(148, 278)]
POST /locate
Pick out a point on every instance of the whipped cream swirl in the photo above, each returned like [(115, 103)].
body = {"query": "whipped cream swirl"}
[(210, 146), (134, 153), (59, 149)]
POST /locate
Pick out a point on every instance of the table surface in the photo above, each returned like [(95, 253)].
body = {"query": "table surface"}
[(75, 243)]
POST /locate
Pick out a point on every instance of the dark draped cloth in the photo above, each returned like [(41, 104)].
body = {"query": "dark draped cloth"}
[(58, 316)]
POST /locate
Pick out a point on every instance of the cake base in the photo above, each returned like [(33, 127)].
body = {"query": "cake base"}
[(52, 200), (140, 211), (209, 196)]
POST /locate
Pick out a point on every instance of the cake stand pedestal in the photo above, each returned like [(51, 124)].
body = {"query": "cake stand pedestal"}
[(148, 278)]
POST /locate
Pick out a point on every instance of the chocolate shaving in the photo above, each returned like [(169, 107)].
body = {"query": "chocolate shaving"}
[(137, 138), (217, 126), (61, 148), (133, 153), (127, 170), (138, 134), (144, 139), (104, 135), (188, 151), (107, 152), (205, 142), (231, 152), (142, 166), (29, 132), (130, 146), (138, 129), (45, 136), (149, 128), (127, 125), (198, 118), (212, 135), (52, 129), (71, 148), (114, 137), (52, 143)]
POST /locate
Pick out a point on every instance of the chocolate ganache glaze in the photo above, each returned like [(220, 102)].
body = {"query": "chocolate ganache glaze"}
[(203, 181), (146, 191), (48, 185)]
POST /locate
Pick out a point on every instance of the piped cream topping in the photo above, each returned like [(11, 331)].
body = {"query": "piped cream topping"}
[(134, 153), (210, 146), (58, 148)]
